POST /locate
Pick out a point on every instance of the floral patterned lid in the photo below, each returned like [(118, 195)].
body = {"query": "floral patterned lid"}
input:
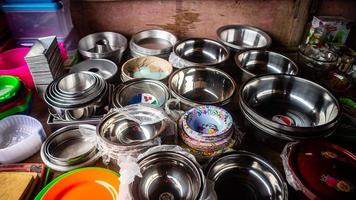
[(323, 170)]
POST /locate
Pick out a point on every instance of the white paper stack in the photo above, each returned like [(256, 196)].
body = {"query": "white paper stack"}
[(45, 62)]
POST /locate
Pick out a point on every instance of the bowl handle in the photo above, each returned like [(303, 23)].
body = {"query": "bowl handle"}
[(173, 110)]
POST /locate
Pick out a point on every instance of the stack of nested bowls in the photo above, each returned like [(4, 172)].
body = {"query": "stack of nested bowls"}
[(207, 129), (289, 107), (153, 42), (78, 95), (168, 175), (131, 130), (14, 96)]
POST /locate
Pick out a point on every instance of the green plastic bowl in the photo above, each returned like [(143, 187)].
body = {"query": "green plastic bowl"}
[(9, 86)]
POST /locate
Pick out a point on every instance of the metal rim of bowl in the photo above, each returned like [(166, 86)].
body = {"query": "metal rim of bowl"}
[(176, 155), (189, 101), (264, 34), (310, 59), (203, 39), (240, 66), (327, 125), (172, 39), (115, 113), (126, 77), (120, 88), (215, 160), (78, 159), (73, 68), (89, 54)]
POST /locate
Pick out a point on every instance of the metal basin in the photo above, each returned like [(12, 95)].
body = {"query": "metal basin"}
[(108, 45), (140, 91), (201, 85), (327, 62), (201, 51), (288, 104), (167, 175), (241, 37), (246, 175), (105, 68), (256, 62)]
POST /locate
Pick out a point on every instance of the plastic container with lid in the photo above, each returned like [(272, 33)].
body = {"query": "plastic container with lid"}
[(33, 20)]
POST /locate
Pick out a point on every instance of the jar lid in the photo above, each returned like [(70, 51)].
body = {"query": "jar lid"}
[(9, 86)]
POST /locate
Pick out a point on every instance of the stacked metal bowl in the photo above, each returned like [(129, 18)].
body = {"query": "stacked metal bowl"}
[(289, 107), (144, 91), (194, 86), (130, 130), (152, 42), (77, 95), (207, 129), (70, 147), (199, 52), (241, 37), (168, 175)]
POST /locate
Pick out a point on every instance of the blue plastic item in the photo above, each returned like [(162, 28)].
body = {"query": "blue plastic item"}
[(51, 6), (30, 1)]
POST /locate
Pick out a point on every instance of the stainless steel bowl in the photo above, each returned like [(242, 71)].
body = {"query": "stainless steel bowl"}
[(108, 45), (134, 91), (168, 175), (195, 86), (242, 37), (105, 68), (256, 62), (293, 107), (131, 128), (202, 52), (246, 175), (152, 42), (77, 95), (71, 145)]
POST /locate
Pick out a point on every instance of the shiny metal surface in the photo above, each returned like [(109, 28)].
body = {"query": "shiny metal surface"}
[(108, 45), (202, 51), (317, 65), (241, 37), (289, 105), (105, 68), (77, 95), (168, 176), (256, 62), (201, 85), (247, 176), (131, 128), (71, 145), (153, 42), (126, 92)]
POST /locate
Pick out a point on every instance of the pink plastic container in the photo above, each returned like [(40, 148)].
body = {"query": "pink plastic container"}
[(12, 62)]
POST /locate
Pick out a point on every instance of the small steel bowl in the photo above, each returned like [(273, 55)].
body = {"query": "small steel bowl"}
[(108, 45), (247, 175), (241, 37), (195, 86), (293, 106), (256, 62), (105, 68), (202, 52), (152, 42), (71, 145), (168, 175), (149, 67), (140, 91), (131, 128)]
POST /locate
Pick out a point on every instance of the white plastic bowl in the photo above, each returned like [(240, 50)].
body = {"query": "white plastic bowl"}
[(21, 136)]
